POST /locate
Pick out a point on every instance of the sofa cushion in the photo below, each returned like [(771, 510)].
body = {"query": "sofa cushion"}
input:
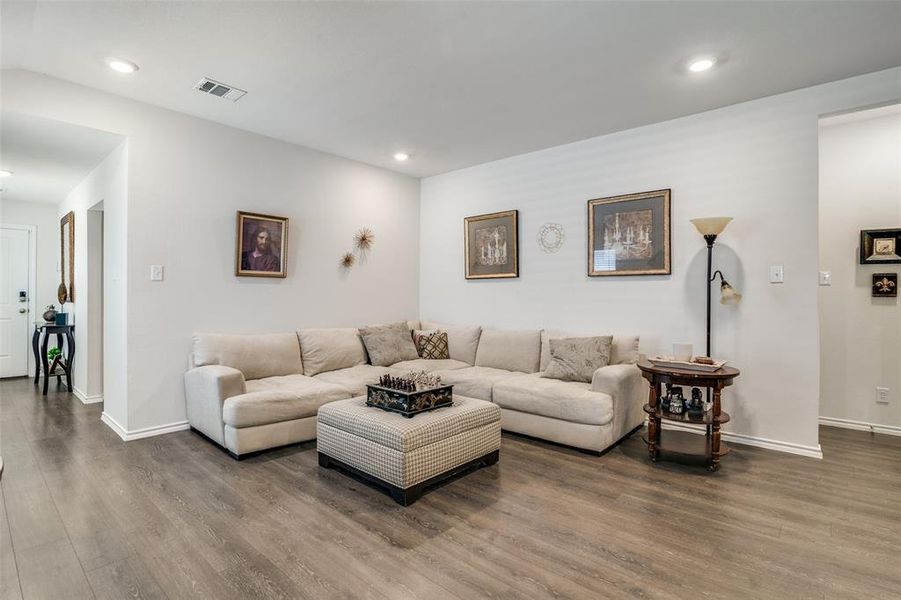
[(510, 350), (256, 356), (330, 349), (462, 340), (475, 382), (388, 344), (432, 345), (277, 399), (623, 350), (564, 400), (577, 358), (428, 365), (355, 379)]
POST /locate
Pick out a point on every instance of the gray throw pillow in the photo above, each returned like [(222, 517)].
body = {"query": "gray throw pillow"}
[(577, 358), (388, 344)]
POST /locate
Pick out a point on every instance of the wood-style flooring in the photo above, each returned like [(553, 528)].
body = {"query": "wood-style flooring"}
[(85, 515)]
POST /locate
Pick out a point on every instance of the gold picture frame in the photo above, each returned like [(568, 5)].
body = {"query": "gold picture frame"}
[(261, 245), (629, 235), (491, 245), (66, 290)]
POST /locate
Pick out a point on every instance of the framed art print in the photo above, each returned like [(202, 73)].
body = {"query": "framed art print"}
[(491, 245), (885, 285), (880, 246), (629, 235), (261, 245)]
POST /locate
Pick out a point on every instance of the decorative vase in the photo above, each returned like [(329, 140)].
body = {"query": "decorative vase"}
[(50, 314)]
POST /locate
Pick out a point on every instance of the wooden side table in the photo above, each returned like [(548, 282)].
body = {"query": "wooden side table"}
[(39, 339), (682, 444)]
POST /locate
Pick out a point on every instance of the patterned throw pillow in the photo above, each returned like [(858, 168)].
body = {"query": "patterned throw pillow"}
[(432, 345), (577, 358)]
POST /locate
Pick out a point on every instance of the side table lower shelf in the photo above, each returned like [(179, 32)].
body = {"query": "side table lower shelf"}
[(691, 447)]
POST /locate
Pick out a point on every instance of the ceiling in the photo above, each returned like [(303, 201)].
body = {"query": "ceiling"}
[(48, 158), (452, 83)]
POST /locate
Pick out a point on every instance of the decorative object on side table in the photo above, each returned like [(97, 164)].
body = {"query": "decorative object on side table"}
[(261, 245), (629, 235), (491, 245), (682, 444), (885, 285), (408, 396), (880, 246), (710, 228), (50, 314), (551, 237)]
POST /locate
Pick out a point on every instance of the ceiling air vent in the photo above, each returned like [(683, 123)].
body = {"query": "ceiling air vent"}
[(216, 88)]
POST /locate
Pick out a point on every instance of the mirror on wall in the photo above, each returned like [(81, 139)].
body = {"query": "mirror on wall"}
[(66, 291)]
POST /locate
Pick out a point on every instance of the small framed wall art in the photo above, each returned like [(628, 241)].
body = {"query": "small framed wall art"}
[(491, 245), (629, 235), (261, 245), (880, 246), (885, 285)]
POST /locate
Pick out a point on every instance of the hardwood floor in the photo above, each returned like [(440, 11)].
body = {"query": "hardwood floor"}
[(85, 515)]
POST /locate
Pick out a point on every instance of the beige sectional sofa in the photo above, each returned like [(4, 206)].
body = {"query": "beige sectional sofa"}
[(253, 392)]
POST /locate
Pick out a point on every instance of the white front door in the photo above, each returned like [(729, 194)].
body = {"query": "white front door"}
[(14, 317)]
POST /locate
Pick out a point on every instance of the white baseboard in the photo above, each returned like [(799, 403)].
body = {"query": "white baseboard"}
[(146, 432), (860, 425), (739, 438), (85, 399)]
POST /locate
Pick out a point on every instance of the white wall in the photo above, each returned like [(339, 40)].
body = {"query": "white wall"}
[(860, 336), (106, 184), (755, 161), (186, 178)]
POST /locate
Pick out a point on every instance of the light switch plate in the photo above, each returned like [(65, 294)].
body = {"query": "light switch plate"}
[(825, 277), (156, 272), (777, 275)]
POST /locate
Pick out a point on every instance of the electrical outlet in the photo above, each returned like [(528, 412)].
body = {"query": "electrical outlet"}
[(881, 395), (156, 272), (777, 275)]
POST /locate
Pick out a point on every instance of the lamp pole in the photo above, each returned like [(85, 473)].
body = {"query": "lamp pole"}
[(710, 239)]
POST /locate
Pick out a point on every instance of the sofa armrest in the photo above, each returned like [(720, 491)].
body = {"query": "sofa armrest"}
[(206, 389), (628, 389)]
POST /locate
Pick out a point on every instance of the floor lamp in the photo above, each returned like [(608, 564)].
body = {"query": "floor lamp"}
[(710, 228)]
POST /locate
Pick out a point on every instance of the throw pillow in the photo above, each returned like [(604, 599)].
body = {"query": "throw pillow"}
[(388, 344), (432, 345), (577, 358)]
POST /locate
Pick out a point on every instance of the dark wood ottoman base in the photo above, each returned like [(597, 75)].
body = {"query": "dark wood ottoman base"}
[(407, 496)]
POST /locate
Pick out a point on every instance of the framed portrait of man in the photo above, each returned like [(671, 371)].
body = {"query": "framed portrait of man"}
[(261, 247)]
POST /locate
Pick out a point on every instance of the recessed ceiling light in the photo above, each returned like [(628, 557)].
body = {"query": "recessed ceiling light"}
[(401, 156), (5, 173), (700, 65), (120, 65)]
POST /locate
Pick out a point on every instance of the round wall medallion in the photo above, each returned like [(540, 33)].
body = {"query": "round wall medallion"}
[(551, 237)]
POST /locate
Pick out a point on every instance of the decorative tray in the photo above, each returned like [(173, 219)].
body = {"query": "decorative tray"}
[(669, 361)]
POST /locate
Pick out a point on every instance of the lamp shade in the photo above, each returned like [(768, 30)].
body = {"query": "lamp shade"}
[(728, 294), (711, 225)]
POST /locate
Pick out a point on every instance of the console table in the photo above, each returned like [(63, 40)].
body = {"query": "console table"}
[(63, 362), (682, 444)]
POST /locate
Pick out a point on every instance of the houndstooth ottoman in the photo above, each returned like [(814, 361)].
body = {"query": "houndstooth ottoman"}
[(408, 455)]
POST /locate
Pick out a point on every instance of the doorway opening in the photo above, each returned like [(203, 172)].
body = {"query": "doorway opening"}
[(860, 320)]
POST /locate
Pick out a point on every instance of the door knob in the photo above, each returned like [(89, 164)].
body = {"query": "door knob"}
[(22, 311)]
